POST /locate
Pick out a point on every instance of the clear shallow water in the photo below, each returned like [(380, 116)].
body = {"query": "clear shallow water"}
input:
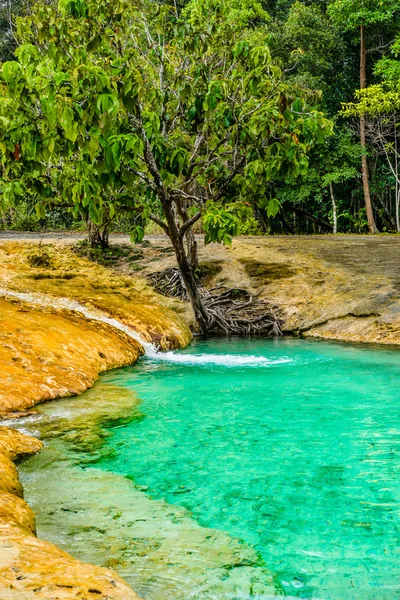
[(292, 446)]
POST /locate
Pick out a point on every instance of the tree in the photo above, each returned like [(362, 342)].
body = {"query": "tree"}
[(121, 106), (310, 47), (339, 166), (359, 15), (8, 11), (381, 103), (330, 165)]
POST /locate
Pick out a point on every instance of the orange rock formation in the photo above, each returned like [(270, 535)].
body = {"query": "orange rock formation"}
[(33, 568)]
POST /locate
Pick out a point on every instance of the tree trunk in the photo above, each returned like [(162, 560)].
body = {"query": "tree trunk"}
[(396, 168), (191, 243), (364, 165), (334, 208), (192, 253), (96, 235), (258, 214), (388, 214), (200, 312), (286, 226)]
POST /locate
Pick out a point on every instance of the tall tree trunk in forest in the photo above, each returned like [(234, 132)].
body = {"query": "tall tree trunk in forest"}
[(364, 165), (97, 236), (334, 208), (396, 170), (388, 213), (398, 210)]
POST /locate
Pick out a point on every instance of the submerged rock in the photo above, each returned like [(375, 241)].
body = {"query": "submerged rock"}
[(33, 568), (106, 519)]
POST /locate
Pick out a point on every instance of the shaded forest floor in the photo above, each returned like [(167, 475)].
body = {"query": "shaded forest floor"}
[(334, 287)]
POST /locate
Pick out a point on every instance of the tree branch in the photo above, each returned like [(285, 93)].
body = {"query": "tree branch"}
[(160, 223), (149, 159), (176, 192), (229, 179), (142, 176), (188, 224)]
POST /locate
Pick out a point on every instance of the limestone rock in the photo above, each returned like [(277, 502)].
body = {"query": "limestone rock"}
[(15, 443), (33, 568), (17, 511), (45, 355), (9, 481)]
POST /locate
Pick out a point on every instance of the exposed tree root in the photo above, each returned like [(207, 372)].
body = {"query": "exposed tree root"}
[(232, 311), (169, 283)]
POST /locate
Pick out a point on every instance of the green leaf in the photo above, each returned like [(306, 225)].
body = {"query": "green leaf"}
[(66, 118), (137, 234), (94, 214), (40, 210), (273, 207), (93, 146), (192, 113), (10, 71), (94, 43), (107, 103)]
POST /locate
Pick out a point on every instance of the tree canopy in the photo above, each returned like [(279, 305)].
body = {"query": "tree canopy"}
[(117, 106), (215, 113)]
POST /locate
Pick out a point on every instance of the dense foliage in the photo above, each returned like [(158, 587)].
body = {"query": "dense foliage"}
[(315, 45), (119, 107)]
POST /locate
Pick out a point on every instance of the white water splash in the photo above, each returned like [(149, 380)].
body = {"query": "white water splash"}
[(94, 314), (222, 360)]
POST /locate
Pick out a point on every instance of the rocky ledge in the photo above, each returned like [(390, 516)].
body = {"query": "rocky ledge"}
[(33, 568), (343, 288), (48, 353)]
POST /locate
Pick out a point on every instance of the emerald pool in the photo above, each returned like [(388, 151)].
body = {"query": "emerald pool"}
[(292, 446)]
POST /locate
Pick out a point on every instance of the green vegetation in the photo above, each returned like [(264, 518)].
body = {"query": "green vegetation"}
[(112, 256), (232, 117)]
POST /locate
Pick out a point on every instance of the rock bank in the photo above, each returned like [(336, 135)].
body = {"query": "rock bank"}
[(31, 568), (344, 288), (46, 353)]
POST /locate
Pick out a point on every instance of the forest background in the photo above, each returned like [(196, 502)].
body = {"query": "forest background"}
[(334, 48)]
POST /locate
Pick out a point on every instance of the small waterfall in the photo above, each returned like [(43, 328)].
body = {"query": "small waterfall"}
[(89, 313), (94, 314)]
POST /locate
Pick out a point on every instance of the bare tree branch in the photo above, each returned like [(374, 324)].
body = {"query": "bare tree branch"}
[(160, 223), (189, 223)]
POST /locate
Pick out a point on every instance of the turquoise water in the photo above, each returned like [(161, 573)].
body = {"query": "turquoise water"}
[(292, 446)]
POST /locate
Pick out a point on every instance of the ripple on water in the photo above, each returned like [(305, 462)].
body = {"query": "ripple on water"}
[(299, 459)]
